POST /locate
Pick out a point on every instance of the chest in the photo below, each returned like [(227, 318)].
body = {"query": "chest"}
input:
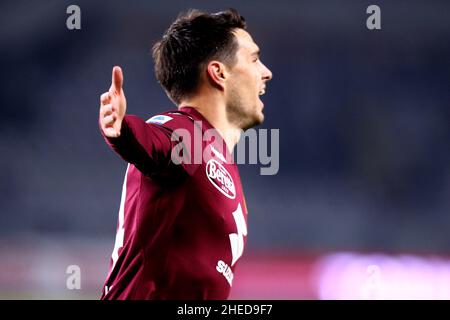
[(219, 194)]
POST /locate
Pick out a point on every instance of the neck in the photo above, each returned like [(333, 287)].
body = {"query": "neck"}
[(214, 110)]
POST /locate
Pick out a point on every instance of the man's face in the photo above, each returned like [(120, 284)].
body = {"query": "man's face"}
[(246, 83)]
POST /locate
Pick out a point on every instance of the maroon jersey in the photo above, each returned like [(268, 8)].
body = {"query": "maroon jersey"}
[(182, 227)]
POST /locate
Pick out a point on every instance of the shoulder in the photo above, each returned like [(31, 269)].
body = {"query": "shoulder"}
[(173, 120), (181, 126)]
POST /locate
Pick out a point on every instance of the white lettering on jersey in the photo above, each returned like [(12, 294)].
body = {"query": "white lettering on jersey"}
[(120, 230), (237, 239), (107, 289), (225, 269)]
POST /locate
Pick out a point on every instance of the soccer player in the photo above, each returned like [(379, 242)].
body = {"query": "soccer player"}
[(183, 224)]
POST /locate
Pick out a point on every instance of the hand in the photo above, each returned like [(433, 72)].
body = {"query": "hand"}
[(113, 106)]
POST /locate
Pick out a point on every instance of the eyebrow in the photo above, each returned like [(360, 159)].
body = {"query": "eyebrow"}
[(257, 53)]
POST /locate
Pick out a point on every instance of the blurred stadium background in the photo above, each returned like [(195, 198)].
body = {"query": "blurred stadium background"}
[(360, 208)]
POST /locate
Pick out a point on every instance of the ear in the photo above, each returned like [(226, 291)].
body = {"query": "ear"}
[(216, 74)]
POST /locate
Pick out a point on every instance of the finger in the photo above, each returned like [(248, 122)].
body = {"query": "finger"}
[(105, 98), (106, 110), (109, 120), (117, 78), (111, 132)]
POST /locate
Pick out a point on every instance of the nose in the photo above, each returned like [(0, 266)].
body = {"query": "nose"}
[(267, 74)]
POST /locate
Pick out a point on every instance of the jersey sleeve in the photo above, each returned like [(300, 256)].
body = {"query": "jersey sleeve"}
[(145, 145)]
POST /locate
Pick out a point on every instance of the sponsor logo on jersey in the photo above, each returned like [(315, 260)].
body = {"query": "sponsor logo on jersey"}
[(220, 178), (160, 119)]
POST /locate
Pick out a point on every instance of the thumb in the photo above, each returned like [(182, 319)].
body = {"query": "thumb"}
[(117, 78)]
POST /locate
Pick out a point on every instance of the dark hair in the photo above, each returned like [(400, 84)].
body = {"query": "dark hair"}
[(194, 39)]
